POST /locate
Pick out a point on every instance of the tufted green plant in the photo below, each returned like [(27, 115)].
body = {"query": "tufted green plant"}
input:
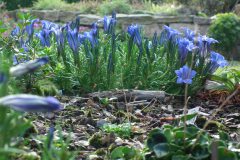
[(226, 29)]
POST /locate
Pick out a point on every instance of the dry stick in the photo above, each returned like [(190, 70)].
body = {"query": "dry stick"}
[(214, 114)]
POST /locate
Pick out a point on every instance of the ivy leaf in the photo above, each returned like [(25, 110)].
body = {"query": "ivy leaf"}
[(161, 150)]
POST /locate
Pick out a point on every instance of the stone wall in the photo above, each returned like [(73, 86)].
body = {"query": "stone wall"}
[(151, 23)]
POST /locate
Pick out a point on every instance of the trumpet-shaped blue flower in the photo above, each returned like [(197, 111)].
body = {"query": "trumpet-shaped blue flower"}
[(75, 24), (109, 23), (28, 67), (30, 29), (81, 38), (155, 39), (92, 35), (48, 25), (204, 44), (72, 38), (44, 36), (184, 47), (134, 32), (31, 103), (15, 32), (189, 34), (59, 39), (169, 34), (185, 75), (216, 61)]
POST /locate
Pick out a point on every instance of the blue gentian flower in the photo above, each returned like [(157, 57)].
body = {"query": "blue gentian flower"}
[(59, 34), (28, 67), (94, 30), (92, 39), (15, 32), (30, 29), (184, 47), (169, 34), (216, 61), (75, 24), (72, 38), (134, 32), (3, 77), (204, 44), (185, 75), (48, 25), (81, 38), (109, 24), (44, 36), (155, 39), (31, 103), (189, 34)]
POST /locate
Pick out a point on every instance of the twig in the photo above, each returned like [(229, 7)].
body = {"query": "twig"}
[(215, 113)]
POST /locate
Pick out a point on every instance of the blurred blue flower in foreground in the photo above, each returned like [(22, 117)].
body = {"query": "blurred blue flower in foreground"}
[(31, 103), (185, 75), (28, 67), (216, 61)]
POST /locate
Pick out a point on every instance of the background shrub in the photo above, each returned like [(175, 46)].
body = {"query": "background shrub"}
[(119, 6), (210, 7), (15, 4), (226, 29), (53, 4)]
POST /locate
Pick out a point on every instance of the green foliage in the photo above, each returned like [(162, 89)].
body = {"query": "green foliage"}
[(119, 6), (15, 4), (123, 130), (227, 79), (226, 29), (49, 5), (177, 143), (210, 7), (165, 8), (46, 88), (125, 153), (56, 149)]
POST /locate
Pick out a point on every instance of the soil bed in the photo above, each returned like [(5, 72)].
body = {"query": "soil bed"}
[(83, 118)]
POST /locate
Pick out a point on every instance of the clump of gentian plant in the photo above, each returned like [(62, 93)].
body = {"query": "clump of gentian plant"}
[(103, 59)]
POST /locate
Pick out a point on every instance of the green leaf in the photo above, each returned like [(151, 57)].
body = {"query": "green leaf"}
[(180, 157), (155, 137), (224, 136), (200, 152), (168, 133), (188, 117), (225, 154), (123, 152), (161, 150), (2, 30)]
